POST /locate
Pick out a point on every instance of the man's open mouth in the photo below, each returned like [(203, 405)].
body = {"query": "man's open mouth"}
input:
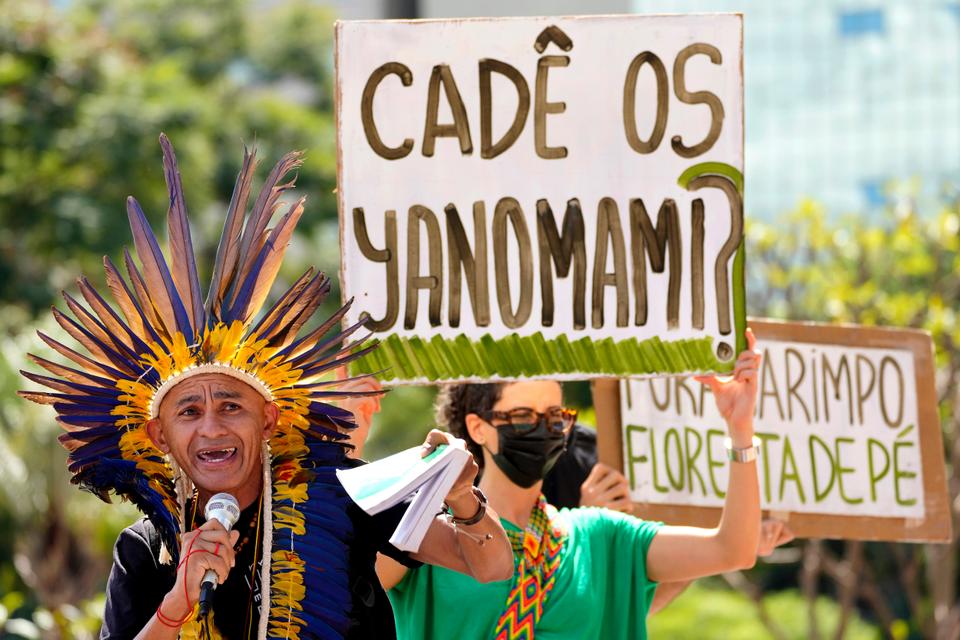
[(214, 456)]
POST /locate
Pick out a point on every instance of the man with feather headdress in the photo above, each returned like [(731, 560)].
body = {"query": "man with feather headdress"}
[(177, 398)]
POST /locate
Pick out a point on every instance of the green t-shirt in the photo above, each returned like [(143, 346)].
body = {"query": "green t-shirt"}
[(601, 589)]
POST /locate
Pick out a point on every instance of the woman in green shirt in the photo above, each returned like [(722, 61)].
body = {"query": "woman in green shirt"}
[(580, 573)]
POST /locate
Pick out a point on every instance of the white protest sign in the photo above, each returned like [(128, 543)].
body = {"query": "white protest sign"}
[(533, 197), (848, 427)]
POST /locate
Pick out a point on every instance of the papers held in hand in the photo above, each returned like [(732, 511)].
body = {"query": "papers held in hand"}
[(380, 485)]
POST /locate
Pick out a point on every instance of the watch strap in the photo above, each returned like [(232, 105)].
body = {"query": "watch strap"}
[(475, 518), (746, 454)]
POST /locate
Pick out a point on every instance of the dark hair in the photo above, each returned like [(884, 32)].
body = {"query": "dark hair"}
[(456, 401)]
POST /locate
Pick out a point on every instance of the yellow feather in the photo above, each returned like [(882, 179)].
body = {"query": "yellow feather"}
[(181, 353), (286, 517), (191, 629), (287, 592)]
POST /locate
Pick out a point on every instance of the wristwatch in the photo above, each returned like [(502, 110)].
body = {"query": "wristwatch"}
[(747, 454), (475, 518)]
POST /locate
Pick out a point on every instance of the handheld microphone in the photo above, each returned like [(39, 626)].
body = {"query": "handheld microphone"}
[(224, 508)]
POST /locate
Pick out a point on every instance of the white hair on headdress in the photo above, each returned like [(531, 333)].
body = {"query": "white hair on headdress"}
[(267, 541)]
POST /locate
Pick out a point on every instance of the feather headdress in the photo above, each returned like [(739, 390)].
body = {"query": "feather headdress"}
[(162, 332)]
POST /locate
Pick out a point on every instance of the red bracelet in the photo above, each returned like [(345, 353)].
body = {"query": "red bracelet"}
[(170, 622)]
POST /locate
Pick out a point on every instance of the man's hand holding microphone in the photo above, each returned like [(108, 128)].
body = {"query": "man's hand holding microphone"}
[(206, 558)]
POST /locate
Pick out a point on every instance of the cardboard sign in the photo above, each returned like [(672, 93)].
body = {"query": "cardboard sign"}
[(543, 197), (850, 436)]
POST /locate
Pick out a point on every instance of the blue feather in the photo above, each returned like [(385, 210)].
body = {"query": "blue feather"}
[(290, 298), (238, 307), (93, 433), (323, 409), (178, 237), (72, 402), (80, 420), (92, 454), (112, 270), (123, 478), (102, 366), (325, 364), (85, 316), (324, 547), (138, 344), (143, 233), (321, 349), (70, 372), (118, 359), (85, 389), (314, 335)]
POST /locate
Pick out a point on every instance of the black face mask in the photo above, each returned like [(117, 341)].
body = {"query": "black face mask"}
[(526, 458)]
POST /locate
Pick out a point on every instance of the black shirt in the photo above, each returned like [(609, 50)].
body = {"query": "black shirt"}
[(561, 487), (138, 582)]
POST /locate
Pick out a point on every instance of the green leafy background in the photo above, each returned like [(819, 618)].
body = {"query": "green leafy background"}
[(85, 88)]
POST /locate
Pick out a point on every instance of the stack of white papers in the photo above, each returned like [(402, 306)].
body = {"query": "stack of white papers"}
[(380, 485)]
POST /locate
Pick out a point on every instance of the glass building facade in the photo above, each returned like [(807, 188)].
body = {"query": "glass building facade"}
[(854, 104)]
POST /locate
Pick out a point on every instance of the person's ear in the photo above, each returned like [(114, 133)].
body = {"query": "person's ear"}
[(271, 413), (155, 432), (475, 424)]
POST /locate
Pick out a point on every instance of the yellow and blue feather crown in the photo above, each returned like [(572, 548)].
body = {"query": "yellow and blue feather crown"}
[(161, 332)]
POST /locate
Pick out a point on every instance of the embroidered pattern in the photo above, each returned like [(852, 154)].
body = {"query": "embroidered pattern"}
[(537, 552)]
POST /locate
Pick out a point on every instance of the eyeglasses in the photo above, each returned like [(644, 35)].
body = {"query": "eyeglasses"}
[(525, 419)]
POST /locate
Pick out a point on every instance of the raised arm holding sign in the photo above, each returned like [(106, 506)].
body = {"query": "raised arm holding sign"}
[(580, 572), (849, 428), (683, 553)]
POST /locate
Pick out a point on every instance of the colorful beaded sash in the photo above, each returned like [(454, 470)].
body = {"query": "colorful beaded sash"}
[(536, 551)]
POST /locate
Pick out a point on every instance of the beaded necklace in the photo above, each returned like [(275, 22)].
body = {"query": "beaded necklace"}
[(537, 552)]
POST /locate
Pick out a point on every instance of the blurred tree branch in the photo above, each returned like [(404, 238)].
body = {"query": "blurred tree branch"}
[(87, 86), (900, 268)]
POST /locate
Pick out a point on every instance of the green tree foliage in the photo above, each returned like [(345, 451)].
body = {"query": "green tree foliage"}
[(899, 268), (86, 89), (406, 415), (704, 612)]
